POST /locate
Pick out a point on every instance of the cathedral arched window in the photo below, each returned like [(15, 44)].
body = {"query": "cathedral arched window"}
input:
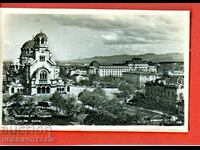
[(48, 89), (12, 90), (38, 90), (68, 89), (43, 75), (37, 40), (42, 41), (43, 90)]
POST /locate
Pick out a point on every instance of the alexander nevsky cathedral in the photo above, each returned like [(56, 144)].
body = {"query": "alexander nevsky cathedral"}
[(37, 71)]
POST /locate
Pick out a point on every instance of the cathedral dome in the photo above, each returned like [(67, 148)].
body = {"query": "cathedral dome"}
[(29, 44), (41, 35)]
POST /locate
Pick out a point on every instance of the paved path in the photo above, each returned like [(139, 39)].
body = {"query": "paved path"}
[(142, 110)]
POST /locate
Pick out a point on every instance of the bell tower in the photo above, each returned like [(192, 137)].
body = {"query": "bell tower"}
[(41, 40)]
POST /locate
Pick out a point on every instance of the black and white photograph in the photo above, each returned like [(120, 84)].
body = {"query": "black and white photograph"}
[(95, 69)]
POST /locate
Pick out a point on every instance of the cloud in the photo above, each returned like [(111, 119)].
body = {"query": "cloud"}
[(124, 29), (132, 29), (89, 35), (116, 21)]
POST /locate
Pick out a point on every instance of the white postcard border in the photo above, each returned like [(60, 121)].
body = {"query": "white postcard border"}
[(130, 128)]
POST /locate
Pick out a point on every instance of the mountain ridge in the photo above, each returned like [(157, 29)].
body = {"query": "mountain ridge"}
[(170, 57)]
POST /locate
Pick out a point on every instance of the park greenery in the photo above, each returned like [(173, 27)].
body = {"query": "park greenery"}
[(97, 107), (103, 111)]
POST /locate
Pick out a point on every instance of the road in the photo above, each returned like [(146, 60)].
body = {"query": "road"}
[(133, 109)]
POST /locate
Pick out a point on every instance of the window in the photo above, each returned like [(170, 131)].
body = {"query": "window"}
[(42, 58), (37, 40), (43, 90), (42, 41), (173, 94), (38, 90), (48, 90), (43, 75), (168, 93), (12, 90), (68, 89)]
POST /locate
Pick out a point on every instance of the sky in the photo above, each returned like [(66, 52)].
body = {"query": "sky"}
[(76, 36)]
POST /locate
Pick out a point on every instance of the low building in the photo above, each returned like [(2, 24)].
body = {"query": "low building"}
[(80, 78), (81, 72), (152, 67), (176, 73)]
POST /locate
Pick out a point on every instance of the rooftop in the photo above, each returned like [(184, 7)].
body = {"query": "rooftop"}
[(28, 45), (172, 81)]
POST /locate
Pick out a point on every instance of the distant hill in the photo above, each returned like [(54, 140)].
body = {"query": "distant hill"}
[(170, 57)]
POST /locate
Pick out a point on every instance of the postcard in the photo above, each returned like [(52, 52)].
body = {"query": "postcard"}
[(94, 70)]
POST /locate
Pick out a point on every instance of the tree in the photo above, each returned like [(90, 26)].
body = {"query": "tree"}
[(93, 77), (86, 97), (127, 89), (69, 106), (99, 91), (113, 106), (57, 100), (84, 83), (17, 98), (5, 98)]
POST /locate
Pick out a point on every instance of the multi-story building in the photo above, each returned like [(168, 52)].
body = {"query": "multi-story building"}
[(167, 92), (140, 78), (93, 68), (38, 73), (117, 70)]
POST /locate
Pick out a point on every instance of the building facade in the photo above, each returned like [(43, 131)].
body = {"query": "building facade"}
[(167, 92), (140, 78), (117, 70), (38, 73)]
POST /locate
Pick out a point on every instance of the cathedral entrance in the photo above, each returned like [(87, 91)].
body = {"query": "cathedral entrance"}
[(43, 90)]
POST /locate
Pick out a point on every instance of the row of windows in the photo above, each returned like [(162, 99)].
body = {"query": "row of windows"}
[(160, 92), (18, 90), (124, 70), (43, 90), (43, 41), (108, 73), (60, 89), (42, 58), (43, 75), (27, 52), (114, 67), (118, 75)]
